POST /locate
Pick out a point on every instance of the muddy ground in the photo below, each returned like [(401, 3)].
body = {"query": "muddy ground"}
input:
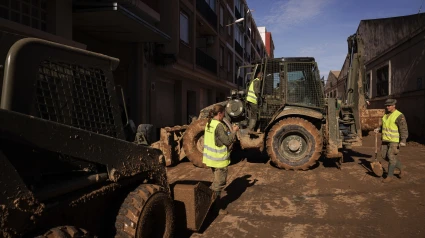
[(264, 201)]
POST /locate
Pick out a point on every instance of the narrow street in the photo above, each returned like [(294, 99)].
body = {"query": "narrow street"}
[(264, 201)]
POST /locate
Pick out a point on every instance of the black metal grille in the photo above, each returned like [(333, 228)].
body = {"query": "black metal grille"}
[(74, 95), (304, 85)]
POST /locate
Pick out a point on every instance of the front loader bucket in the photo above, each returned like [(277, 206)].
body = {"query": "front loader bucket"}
[(170, 143), (370, 118), (192, 202)]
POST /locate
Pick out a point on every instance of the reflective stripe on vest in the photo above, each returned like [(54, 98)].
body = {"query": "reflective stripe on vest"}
[(214, 156), (390, 128), (251, 97)]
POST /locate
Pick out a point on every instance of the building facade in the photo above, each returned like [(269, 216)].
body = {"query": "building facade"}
[(331, 86), (394, 62), (176, 57)]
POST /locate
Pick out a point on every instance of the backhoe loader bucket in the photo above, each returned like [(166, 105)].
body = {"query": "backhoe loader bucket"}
[(192, 201)]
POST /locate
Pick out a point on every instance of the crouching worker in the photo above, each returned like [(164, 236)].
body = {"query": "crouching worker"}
[(216, 154)]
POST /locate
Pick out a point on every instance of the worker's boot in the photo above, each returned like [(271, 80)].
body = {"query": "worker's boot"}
[(387, 180), (402, 173), (219, 206), (215, 196), (401, 169)]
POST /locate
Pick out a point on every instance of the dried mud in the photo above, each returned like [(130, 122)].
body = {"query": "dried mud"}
[(322, 202)]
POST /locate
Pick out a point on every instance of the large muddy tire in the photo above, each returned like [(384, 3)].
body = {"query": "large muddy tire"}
[(193, 142), (294, 143), (146, 212), (66, 232)]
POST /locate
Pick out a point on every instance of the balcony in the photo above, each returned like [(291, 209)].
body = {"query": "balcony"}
[(115, 22), (258, 49), (247, 57), (226, 76), (206, 12), (205, 61), (152, 4), (237, 13), (238, 48)]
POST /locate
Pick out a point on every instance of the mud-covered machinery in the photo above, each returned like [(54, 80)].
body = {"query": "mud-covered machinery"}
[(297, 124), (66, 169)]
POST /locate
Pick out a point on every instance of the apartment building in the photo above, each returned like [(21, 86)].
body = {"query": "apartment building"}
[(210, 48), (267, 38), (176, 57)]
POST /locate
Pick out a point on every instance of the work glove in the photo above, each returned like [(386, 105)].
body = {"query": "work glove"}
[(402, 144), (377, 130)]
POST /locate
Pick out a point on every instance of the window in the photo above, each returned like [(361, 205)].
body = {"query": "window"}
[(238, 35), (32, 14), (211, 3), (229, 28), (184, 27), (221, 56), (366, 86), (382, 78), (228, 62), (238, 4), (221, 15)]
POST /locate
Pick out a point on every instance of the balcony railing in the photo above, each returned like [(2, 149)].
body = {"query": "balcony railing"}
[(207, 12), (238, 48), (205, 61)]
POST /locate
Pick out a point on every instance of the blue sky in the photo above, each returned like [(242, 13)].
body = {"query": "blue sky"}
[(319, 28)]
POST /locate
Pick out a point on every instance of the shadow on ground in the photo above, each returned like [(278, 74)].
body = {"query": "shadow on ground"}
[(250, 155)]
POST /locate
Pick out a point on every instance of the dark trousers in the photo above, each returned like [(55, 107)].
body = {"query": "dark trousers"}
[(253, 110), (390, 151), (220, 179)]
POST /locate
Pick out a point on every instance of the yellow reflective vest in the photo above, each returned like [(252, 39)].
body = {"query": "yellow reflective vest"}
[(390, 128), (214, 156), (251, 97)]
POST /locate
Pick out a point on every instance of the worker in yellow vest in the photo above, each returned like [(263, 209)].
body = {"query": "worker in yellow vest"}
[(394, 136), (216, 154), (252, 98)]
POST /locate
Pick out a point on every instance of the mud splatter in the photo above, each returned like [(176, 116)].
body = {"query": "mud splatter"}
[(296, 230)]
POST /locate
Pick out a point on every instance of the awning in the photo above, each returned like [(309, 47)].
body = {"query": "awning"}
[(112, 21)]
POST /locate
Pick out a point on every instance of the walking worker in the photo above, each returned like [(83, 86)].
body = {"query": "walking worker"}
[(394, 136), (217, 140), (252, 99)]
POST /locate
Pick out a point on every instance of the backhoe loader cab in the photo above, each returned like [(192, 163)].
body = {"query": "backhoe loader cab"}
[(288, 81)]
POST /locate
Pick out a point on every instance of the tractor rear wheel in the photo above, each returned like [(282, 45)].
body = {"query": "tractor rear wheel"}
[(294, 143), (193, 142), (146, 212)]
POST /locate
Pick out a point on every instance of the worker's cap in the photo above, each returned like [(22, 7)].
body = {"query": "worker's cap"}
[(390, 102)]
